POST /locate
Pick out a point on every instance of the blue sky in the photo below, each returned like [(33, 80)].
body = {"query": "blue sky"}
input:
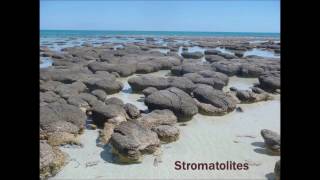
[(215, 16)]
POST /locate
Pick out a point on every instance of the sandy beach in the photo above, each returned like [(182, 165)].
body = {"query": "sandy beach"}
[(235, 136)]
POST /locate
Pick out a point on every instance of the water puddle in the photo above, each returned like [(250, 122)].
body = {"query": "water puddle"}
[(164, 51), (240, 83), (45, 62), (119, 46), (261, 53), (224, 50)]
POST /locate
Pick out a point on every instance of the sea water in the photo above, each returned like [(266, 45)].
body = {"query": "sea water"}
[(92, 33)]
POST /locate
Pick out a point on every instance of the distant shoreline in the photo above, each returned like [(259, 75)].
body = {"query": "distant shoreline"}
[(95, 33)]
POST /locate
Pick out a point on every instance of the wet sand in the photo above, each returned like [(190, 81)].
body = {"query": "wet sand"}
[(233, 137)]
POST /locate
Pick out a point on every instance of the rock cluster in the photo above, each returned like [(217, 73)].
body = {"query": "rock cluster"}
[(81, 78)]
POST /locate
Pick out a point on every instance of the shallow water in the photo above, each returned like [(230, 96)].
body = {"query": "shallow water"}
[(224, 50), (262, 53), (45, 62), (258, 41), (164, 51), (119, 46), (55, 44), (233, 137), (79, 41), (196, 49), (240, 83), (254, 51)]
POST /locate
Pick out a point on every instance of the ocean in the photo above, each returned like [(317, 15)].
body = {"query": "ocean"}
[(96, 33)]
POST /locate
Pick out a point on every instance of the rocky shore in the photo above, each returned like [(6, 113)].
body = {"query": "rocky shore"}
[(81, 83)]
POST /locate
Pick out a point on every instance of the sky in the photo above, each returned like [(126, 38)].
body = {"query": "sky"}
[(211, 16)]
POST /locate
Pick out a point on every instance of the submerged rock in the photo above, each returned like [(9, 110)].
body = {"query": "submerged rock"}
[(211, 52), (192, 55), (239, 54)]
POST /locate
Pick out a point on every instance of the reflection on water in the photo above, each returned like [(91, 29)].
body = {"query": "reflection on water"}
[(224, 50), (240, 83), (196, 49), (45, 62), (164, 51), (262, 53), (57, 44), (258, 41), (119, 46)]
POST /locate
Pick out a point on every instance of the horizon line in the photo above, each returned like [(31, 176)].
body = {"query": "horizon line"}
[(158, 31)]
